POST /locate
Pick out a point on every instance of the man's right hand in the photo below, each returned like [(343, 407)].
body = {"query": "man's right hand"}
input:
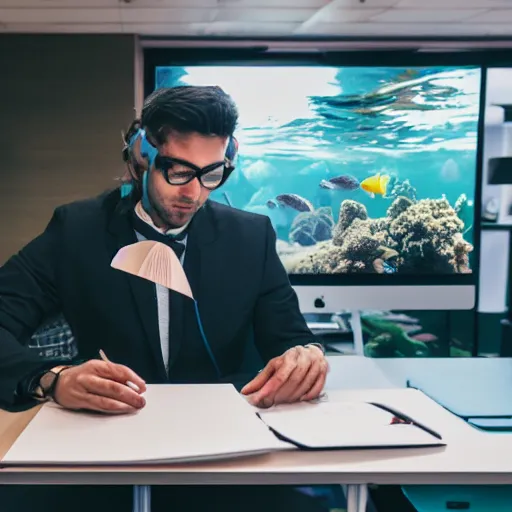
[(100, 386)]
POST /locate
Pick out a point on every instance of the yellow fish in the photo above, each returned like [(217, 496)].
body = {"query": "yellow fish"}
[(376, 184)]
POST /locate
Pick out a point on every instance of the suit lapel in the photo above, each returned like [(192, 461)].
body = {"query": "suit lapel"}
[(143, 291), (199, 268)]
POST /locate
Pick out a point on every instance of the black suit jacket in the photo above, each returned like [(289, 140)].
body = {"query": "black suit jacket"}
[(231, 262)]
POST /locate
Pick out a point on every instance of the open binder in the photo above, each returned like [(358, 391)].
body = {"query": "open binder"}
[(191, 423), (348, 425)]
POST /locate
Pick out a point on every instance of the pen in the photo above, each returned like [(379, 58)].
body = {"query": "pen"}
[(129, 383)]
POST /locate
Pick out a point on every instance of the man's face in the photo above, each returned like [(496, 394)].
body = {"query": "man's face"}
[(175, 205)]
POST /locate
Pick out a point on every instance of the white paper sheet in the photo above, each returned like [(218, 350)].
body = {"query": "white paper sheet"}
[(345, 425), (179, 423)]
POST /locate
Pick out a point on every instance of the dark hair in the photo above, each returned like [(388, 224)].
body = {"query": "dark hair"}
[(207, 110)]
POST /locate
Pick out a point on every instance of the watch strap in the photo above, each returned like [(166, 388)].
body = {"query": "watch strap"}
[(44, 392)]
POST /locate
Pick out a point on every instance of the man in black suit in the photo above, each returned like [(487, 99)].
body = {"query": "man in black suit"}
[(182, 149)]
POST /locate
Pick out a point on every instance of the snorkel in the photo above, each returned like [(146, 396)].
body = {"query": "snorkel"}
[(142, 153)]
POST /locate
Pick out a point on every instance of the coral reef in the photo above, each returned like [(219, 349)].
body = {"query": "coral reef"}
[(398, 206), (426, 236), (403, 189), (420, 237), (311, 227), (349, 211)]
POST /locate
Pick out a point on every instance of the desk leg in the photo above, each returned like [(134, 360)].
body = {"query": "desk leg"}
[(141, 498), (357, 498), (362, 498)]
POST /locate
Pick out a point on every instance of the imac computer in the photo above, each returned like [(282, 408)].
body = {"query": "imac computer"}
[(367, 166)]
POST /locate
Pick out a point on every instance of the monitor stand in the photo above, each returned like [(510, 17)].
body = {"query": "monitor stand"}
[(357, 330), (341, 332)]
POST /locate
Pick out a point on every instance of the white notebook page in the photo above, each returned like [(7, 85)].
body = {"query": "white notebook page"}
[(179, 423), (344, 425)]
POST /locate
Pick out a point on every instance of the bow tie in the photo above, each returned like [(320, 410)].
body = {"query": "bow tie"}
[(175, 242)]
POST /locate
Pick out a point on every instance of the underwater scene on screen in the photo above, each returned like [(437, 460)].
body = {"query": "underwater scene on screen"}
[(360, 169)]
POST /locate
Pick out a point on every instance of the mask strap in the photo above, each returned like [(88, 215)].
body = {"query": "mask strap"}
[(145, 197), (126, 189), (146, 151), (232, 149)]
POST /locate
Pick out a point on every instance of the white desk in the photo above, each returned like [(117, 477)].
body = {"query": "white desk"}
[(359, 372), (470, 457)]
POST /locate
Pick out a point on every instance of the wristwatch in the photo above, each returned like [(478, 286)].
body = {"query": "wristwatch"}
[(45, 389)]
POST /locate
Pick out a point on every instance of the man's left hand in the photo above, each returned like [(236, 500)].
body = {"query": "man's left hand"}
[(298, 375)]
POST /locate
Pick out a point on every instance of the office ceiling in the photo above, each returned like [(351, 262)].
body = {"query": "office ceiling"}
[(373, 18)]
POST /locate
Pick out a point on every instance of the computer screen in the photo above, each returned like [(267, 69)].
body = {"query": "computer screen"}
[(360, 169)]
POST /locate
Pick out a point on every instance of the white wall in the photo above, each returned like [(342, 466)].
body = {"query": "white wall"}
[(499, 89), (494, 146), (495, 244)]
